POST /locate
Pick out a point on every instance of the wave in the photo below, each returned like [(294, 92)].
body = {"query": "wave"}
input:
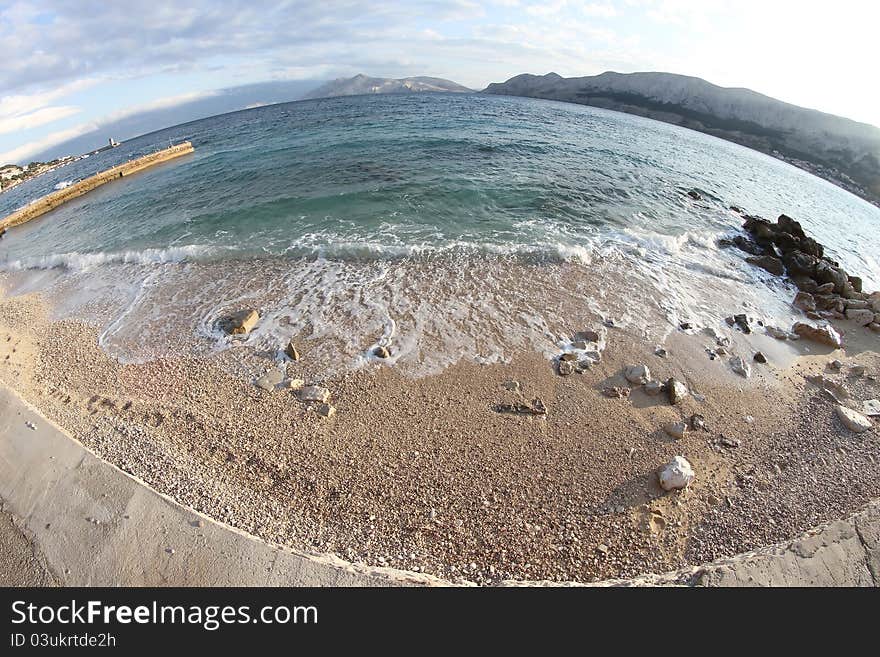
[(82, 261)]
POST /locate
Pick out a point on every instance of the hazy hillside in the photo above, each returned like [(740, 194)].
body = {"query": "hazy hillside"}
[(361, 84), (844, 151)]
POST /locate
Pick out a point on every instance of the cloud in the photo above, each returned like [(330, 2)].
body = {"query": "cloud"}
[(26, 111), (25, 151), (35, 119)]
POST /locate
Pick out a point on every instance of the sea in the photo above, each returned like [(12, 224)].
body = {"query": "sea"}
[(447, 227)]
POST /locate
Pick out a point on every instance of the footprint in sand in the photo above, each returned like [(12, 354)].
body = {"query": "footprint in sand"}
[(59, 395), (100, 405)]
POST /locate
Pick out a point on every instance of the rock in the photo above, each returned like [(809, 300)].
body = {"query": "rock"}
[(536, 408), (871, 407), (822, 334), (789, 225), (587, 336), (744, 244), (381, 352), (740, 366), (676, 391), (660, 352), (825, 288), (855, 422), (856, 282), (653, 388), (313, 394), (697, 422), (834, 390), (857, 370), (676, 474), (637, 374), (743, 323), (325, 410), (676, 429), (835, 365), (801, 266), (269, 380), (777, 333), (240, 323), (730, 443), (568, 356), (695, 195), (812, 314), (804, 301), (826, 273), (616, 392), (685, 326), (565, 367), (857, 304), (760, 357), (768, 263), (589, 359), (860, 317), (294, 384), (874, 326), (291, 352), (512, 385)]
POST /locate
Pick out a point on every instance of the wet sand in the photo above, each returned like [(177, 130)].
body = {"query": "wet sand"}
[(424, 474)]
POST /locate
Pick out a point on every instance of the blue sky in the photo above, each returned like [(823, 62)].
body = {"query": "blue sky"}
[(70, 66)]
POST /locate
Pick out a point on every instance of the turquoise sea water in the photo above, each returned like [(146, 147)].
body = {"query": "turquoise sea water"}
[(433, 219)]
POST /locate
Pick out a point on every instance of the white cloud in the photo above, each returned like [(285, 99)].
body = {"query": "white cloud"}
[(42, 116), (26, 111), (25, 151)]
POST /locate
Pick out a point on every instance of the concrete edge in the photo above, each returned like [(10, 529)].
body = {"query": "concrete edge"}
[(95, 525)]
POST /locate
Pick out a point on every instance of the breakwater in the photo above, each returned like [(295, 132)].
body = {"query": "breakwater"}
[(51, 201)]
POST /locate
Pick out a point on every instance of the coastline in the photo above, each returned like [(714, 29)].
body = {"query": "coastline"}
[(424, 474)]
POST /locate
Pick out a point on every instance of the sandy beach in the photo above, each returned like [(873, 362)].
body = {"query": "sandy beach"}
[(427, 475)]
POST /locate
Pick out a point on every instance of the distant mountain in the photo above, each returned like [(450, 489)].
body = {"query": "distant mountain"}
[(838, 149), (220, 102), (361, 84)]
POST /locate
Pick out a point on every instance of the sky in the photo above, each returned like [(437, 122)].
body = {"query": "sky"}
[(68, 67)]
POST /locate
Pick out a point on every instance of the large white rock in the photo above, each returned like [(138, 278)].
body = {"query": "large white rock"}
[(852, 420), (823, 334), (676, 474), (638, 374)]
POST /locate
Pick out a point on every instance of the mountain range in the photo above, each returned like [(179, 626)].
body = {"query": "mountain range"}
[(361, 84), (841, 150)]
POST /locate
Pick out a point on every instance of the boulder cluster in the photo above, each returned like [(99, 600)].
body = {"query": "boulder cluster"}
[(827, 291)]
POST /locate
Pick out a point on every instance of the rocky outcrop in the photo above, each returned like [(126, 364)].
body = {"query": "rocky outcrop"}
[(826, 290)]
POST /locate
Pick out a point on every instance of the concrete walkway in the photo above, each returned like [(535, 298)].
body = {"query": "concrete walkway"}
[(71, 519)]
